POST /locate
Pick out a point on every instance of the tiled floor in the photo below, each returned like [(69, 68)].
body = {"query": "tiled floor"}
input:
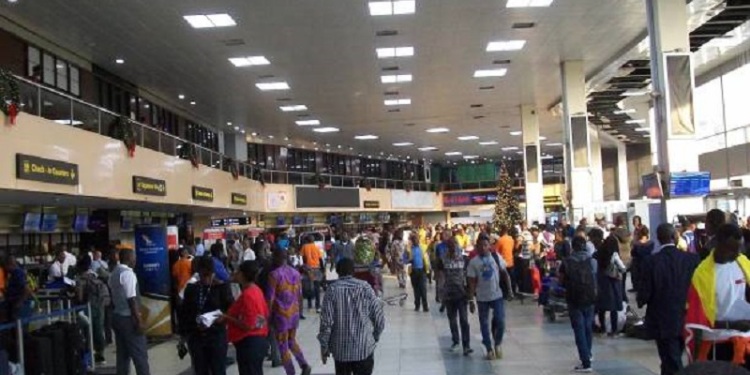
[(416, 344)]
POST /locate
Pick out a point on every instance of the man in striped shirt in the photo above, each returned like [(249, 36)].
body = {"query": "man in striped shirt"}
[(351, 322)]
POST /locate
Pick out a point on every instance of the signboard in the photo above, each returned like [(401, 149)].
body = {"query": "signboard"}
[(239, 199), (172, 238), (152, 269), (34, 168), (203, 194), (371, 204), (314, 197), (230, 221), (149, 186), (476, 198), (277, 200)]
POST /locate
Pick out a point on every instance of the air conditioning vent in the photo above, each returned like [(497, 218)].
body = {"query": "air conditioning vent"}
[(394, 110), (523, 25), (486, 87), (390, 68), (233, 42), (302, 115), (284, 99), (476, 105), (478, 117), (501, 62), (386, 33), (409, 124), (391, 93), (266, 76)]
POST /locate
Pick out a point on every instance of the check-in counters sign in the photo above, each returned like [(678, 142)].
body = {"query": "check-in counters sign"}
[(50, 171), (149, 186), (203, 194)]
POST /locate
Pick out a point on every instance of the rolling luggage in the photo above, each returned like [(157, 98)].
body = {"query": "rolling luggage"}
[(38, 354), (57, 339)]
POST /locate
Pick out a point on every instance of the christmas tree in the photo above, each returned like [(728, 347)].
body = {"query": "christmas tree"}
[(507, 212)]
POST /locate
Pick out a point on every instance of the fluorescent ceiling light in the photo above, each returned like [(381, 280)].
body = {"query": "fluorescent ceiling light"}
[(387, 52), (542, 138), (468, 138), (389, 8), (428, 148), (326, 130), (403, 144), (453, 153), (400, 78), (366, 137), (636, 93), (392, 102), (471, 157), (505, 45), (516, 133), (181, 96), (293, 108), (624, 111), (205, 21), (236, 128), (490, 73), (308, 122), (528, 3), (69, 122), (554, 144), (438, 130), (512, 148), (488, 143), (642, 130), (248, 61), (120, 61), (637, 121), (269, 86)]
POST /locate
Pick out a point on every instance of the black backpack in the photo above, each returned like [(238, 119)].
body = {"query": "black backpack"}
[(580, 283)]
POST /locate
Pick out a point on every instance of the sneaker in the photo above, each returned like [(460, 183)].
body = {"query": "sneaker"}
[(468, 351), (307, 370), (582, 369), (498, 352), (442, 309), (426, 310), (490, 355), (454, 347)]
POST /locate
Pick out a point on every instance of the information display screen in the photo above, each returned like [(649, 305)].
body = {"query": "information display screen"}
[(689, 184)]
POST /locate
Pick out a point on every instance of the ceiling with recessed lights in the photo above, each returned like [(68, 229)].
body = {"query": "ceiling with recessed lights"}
[(328, 71)]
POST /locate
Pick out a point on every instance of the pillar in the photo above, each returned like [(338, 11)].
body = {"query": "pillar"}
[(235, 146), (597, 173), (672, 81), (623, 188), (578, 178), (532, 164)]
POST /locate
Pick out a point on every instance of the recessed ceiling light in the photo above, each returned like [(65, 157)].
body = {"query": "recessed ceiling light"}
[(512, 148), (471, 157), (387, 52), (403, 144), (326, 130), (248, 61), (366, 137), (528, 3), (624, 111), (468, 138), (453, 153), (637, 121), (269, 86), (505, 45), (389, 8), (542, 138), (192, 103), (293, 108), (554, 144), (181, 96), (229, 123), (393, 102), (243, 131), (254, 134), (428, 148), (488, 143), (438, 130), (236, 128), (490, 73), (308, 122), (396, 78), (204, 21), (120, 61), (516, 133)]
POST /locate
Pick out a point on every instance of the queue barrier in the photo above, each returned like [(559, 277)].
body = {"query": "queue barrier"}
[(69, 314)]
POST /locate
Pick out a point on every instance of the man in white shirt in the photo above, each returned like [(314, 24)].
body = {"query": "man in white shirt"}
[(97, 263), (70, 261), (248, 254), (199, 248), (56, 269)]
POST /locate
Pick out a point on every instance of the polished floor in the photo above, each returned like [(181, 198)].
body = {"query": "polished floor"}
[(417, 344)]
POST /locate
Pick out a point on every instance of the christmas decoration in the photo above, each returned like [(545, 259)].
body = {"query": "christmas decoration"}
[(258, 176), (231, 166), (10, 97), (366, 183), (190, 152), (123, 129), (507, 211), (408, 186), (438, 188), (320, 180)]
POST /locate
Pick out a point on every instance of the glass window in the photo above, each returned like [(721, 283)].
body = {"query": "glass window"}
[(708, 109), (61, 67), (48, 67), (735, 84), (75, 84), (34, 67)]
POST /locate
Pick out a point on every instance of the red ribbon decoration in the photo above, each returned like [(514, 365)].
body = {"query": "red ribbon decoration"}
[(12, 112)]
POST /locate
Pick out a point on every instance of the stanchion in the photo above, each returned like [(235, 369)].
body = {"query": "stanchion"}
[(21, 354), (92, 365)]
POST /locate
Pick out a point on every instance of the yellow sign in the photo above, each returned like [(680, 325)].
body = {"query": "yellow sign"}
[(239, 199), (46, 170), (149, 186), (203, 194)]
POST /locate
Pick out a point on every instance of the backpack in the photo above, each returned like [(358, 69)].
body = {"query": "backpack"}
[(364, 251), (580, 284), (96, 292)]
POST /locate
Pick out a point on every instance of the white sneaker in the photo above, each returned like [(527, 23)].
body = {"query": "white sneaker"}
[(498, 352), (583, 370), (490, 355), (454, 348)]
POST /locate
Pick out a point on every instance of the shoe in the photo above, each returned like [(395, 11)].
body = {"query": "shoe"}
[(498, 352), (468, 351), (490, 355), (581, 369), (442, 309), (592, 357), (317, 311), (454, 347), (426, 310), (301, 317), (416, 309), (307, 370)]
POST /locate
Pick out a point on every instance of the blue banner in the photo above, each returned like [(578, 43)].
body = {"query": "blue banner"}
[(152, 260)]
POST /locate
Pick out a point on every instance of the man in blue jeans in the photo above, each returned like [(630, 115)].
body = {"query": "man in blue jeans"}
[(578, 275), (484, 273)]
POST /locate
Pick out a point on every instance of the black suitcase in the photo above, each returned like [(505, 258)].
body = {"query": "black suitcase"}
[(75, 348), (38, 355), (59, 343)]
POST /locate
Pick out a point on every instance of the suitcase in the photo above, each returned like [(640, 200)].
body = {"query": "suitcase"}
[(59, 342), (75, 347), (38, 355)]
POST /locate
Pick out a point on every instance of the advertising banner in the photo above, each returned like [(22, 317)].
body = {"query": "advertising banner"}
[(152, 270)]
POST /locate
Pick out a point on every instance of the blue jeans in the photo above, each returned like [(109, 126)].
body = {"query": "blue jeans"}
[(498, 322), (582, 321)]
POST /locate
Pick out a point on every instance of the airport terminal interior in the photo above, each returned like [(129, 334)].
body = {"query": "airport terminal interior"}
[(366, 187)]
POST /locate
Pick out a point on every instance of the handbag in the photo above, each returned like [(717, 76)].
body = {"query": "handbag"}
[(612, 271)]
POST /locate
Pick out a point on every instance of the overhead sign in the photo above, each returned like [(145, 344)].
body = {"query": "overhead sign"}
[(476, 198), (203, 194), (372, 204), (149, 186), (34, 168), (230, 221), (239, 199)]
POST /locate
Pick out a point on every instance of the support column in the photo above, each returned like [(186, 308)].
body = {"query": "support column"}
[(532, 164), (623, 188), (578, 177), (235, 146), (597, 173), (672, 80)]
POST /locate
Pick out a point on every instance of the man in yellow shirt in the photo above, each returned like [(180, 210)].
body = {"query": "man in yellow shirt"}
[(463, 239)]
